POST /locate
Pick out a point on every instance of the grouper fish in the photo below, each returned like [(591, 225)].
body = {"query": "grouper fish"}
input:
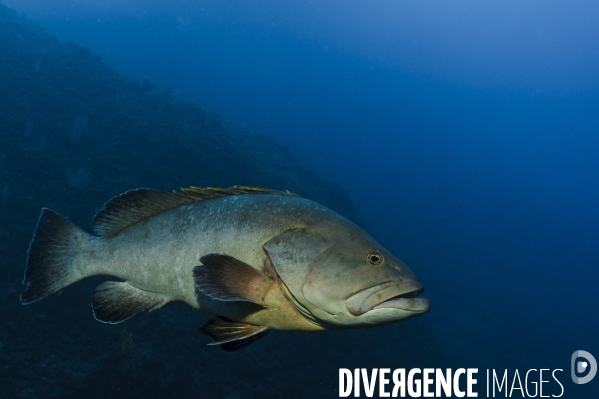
[(258, 260)]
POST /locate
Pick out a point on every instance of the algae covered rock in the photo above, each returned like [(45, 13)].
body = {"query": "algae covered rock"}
[(74, 133)]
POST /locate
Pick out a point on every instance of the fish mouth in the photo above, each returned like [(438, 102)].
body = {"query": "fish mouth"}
[(389, 295)]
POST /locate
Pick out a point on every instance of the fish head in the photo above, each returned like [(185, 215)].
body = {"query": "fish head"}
[(343, 278)]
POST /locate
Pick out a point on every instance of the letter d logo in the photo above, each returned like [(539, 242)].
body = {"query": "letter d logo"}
[(581, 366)]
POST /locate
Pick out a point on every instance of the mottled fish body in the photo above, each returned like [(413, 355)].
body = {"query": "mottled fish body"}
[(258, 259)]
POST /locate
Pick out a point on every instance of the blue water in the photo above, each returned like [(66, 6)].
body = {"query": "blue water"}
[(466, 133)]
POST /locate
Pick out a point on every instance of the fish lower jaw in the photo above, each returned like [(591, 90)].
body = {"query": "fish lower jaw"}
[(382, 296), (414, 305), (405, 295)]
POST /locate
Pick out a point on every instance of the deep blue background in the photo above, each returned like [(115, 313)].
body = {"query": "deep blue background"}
[(466, 132)]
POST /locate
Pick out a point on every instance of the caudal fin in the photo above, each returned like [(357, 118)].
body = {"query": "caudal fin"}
[(49, 261)]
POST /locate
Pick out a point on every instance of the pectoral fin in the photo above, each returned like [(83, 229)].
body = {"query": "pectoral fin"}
[(232, 336), (226, 278)]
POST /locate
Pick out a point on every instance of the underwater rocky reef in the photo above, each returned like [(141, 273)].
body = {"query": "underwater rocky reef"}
[(74, 133)]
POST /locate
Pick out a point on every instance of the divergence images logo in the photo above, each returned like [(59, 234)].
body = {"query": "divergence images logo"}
[(582, 366)]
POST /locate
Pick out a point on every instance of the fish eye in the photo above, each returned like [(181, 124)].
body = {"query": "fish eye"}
[(375, 258)]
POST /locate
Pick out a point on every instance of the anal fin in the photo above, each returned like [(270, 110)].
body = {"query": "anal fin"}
[(114, 302), (225, 278), (232, 336)]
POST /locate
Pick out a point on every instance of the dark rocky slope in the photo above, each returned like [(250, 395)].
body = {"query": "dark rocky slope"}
[(73, 133)]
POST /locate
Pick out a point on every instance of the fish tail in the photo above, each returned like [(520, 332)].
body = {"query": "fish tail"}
[(50, 257)]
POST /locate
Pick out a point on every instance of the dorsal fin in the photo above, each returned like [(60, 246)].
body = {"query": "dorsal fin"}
[(136, 205)]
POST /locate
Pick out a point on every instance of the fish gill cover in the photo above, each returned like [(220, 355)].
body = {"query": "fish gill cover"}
[(74, 133)]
